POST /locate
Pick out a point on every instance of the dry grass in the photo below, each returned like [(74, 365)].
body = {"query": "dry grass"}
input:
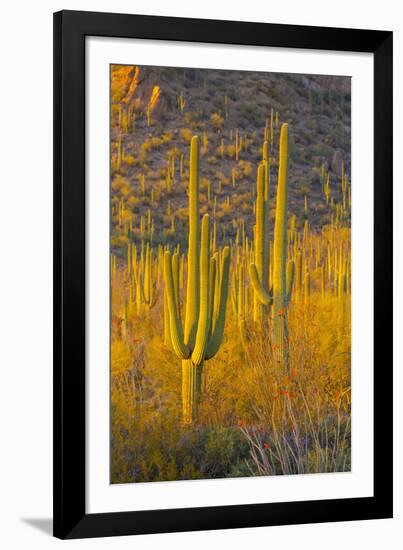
[(254, 418)]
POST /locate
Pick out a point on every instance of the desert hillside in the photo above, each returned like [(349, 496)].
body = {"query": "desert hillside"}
[(230, 274), (156, 111)]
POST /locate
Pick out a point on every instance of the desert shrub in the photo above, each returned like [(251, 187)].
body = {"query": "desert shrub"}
[(217, 121), (230, 150), (129, 160), (187, 134)]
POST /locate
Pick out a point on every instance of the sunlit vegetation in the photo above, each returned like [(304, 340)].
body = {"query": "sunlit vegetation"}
[(230, 274)]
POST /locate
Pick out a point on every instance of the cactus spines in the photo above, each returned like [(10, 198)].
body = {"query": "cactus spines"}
[(206, 297)]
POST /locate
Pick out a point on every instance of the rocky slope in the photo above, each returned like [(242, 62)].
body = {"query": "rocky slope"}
[(156, 110)]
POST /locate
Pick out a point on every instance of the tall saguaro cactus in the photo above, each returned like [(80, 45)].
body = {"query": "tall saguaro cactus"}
[(283, 275), (206, 298)]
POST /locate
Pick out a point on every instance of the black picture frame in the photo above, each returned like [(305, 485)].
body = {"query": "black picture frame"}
[(70, 517)]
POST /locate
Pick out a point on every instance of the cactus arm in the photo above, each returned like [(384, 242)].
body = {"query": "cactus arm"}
[(141, 290), (154, 298), (192, 292), (290, 280), (299, 272), (178, 345), (175, 273), (216, 337), (167, 328), (241, 290), (204, 318), (213, 263), (241, 304), (265, 151), (139, 296), (234, 294), (264, 297), (151, 300), (266, 211), (146, 282), (261, 237), (280, 228), (260, 223), (145, 286)]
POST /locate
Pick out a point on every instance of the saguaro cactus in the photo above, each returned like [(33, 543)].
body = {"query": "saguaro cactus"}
[(145, 283), (283, 275), (206, 294), (259, 269), (238, 297)]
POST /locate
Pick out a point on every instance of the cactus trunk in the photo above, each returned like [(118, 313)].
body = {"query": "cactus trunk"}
[(259, 270), (191, 389), (280, 302)]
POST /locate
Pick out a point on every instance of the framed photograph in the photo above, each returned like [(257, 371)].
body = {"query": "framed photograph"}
[(222, 274)]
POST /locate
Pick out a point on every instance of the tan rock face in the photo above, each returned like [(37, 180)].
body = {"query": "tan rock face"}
[(139, 87)]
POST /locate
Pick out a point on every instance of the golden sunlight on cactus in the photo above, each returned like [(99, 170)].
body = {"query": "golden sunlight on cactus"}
[(203, 331), (229, 186)]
